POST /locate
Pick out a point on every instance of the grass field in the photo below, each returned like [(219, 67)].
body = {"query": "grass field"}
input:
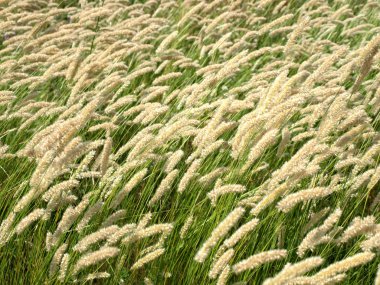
[(190, 142)]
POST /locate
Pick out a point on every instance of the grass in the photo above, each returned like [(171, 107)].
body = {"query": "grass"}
[(24, 258)]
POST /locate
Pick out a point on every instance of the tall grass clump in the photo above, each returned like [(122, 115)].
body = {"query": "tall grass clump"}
[(189, 142)]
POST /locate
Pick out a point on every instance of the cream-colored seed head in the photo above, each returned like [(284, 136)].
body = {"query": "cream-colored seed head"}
[(166, 42), (186, 226), (173, 160), (290, 271), (225, 189), (95, 237), (371, 243), (164, 186), (221, 263), (377, 280), (132, 183), (29, 219), (5, 228), (258, 259), (97, 275), (212, 176), (320, 234), (112, 219), (94, 257), (345, 264), (190, 173), (287, 203), (92, 210), (223, 277), (240, 233), (147, 258), (123, 231), (63, 267), (57, 258), (315, 218), (218, 233), (359, 226)]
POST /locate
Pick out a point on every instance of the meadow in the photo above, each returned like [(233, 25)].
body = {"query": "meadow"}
[(190, 142)]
